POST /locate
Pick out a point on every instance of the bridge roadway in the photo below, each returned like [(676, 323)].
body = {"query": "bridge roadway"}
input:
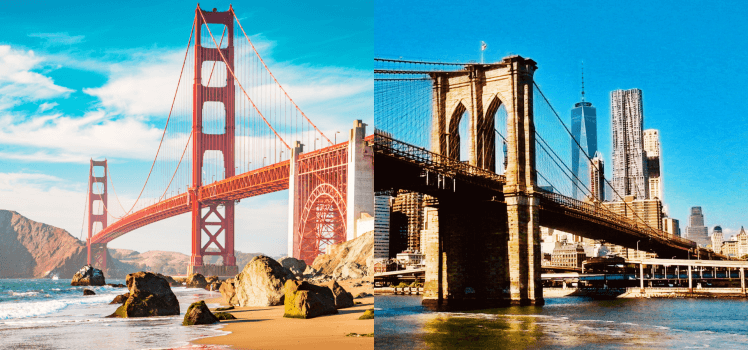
[(272, 178), (403, 166)]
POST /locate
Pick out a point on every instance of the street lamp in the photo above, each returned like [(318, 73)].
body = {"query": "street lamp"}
[(336, 137)]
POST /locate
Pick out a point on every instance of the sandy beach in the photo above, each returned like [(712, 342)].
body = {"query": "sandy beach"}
[(266, 328)]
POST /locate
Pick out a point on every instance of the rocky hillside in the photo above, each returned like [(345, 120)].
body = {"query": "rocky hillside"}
[(33, 249), (352, 259), (171, 263)]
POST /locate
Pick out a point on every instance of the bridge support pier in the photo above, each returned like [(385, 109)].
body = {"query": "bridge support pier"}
[(466, 255), (525, 286)]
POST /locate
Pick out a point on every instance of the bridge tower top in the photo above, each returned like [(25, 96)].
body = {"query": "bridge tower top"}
[(479, 90)]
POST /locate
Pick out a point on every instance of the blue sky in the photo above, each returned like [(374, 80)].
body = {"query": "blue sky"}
[(65, 97), (686, 57)]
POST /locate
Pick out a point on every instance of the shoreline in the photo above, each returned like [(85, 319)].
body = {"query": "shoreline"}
[(264, 327)]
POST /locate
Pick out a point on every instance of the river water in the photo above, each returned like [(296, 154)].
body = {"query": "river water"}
[(52, 314), (566, 323)]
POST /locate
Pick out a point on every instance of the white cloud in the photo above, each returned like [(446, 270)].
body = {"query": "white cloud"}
[(18, 83), (78, 139), (46, 106)]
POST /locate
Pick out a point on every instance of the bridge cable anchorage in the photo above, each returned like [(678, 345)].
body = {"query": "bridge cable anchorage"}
[(240, 84), (590, 161), (194, 21), (276, 80)]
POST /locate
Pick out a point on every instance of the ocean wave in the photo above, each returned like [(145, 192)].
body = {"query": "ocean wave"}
[(22, 309), (23, 294)]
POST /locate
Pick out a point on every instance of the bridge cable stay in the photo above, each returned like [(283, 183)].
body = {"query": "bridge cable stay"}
[(161, 142), (276, 80), (569, 136), (85, 212)]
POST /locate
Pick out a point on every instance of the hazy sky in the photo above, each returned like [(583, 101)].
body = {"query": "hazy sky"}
[(686, 56), (67, 95)]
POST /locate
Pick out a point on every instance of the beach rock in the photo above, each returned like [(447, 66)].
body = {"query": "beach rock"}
[(343, 299), (198, 313), (261, 283), (150, 295), (215, 286), (211, 279), (170, 280), (305, 300), (88, 292), (120, 299), (296, 266), (228, 291), (223, 316), (117, 285), (225, 308), (348, 260), (88, 276), (368, 315), (310, 272), (196, 280)]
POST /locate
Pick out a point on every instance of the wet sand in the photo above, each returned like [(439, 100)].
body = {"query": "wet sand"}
[(266, 328)]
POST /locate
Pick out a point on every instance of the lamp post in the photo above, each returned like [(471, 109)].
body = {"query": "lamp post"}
[(336, 137)]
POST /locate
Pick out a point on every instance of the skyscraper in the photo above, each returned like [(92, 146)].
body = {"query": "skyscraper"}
[(717, 239), (629, 159), (696, 231), (597, 177), (654, 162), (584, 130)]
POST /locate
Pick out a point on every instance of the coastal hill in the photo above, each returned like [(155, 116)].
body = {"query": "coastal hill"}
[(31, 249)]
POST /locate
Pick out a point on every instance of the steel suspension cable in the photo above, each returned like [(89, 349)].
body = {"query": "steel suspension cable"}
[(240, 84), (276, 80)]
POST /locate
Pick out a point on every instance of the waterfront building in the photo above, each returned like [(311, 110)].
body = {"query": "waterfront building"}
[(584, 131), (730, 248), (717, 239), (696, 231), (411, 259), (597, 178), (408, 207), (742, 239), (629, 159), (382, 208), (671, 226), (654, 162), (568, 255)]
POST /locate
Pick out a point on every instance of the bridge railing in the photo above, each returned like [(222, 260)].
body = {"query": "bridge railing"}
[(430, 159), (597, 210)]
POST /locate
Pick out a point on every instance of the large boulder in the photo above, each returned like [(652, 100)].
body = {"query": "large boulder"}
[(88, 276), (343, 298), (261, 282), (198, 313), (120, 299), (88, 292), (296, 266), (150, 295), (305, 300), (211, 279), (228, 291), (348, 260), (214, 287), (196, 280)]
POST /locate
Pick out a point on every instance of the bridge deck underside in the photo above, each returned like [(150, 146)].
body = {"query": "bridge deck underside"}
[(400, 171)]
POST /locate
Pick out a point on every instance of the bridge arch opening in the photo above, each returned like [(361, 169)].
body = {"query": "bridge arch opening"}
[(458, 137), (323, 222), (214, 74), (214, 118), (496, 134), (213, 167), (218, 30)]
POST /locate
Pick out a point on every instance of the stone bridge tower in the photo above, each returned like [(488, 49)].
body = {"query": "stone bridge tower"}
[(480, 89)]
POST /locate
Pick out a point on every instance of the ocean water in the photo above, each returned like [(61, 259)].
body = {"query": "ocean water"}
[(52, 314), (566, 323)]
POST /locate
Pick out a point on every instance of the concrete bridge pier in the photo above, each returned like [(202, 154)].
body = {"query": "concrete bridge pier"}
[(466, 251), (524, 258)]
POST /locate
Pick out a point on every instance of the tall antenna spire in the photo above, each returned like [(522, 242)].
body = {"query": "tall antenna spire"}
[(582, 81)]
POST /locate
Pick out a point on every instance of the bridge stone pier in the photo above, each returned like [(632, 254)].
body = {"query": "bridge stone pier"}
[(482, 247)]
